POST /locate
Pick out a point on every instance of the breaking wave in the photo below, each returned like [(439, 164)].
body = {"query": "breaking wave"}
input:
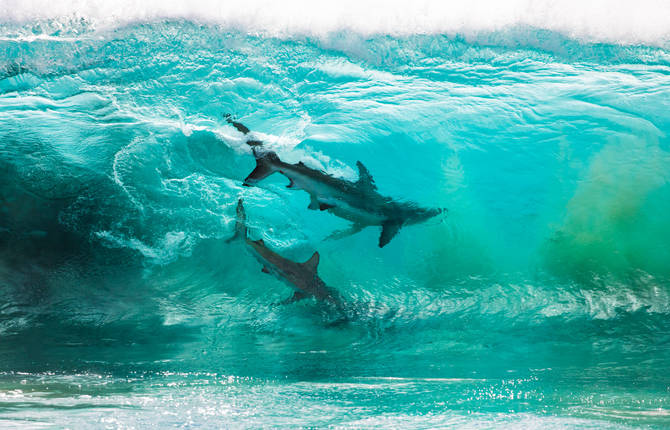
[(542, 127)]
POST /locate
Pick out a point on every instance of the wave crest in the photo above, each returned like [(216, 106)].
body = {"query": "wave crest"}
[(623, 22)]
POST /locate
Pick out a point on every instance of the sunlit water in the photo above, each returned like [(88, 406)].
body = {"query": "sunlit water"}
[(541, 300)]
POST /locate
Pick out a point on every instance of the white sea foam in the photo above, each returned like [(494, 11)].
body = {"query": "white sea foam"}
[(618, 21)]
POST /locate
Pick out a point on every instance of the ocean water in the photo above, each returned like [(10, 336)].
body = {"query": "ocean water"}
[(540, 300)]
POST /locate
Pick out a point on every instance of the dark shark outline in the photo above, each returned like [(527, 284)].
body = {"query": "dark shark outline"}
[(358, 202), (302, 277)]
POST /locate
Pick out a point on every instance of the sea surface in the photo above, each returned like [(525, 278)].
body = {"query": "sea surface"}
[(541, 299)]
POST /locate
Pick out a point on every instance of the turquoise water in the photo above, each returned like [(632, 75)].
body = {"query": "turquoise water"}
[(541, 300)]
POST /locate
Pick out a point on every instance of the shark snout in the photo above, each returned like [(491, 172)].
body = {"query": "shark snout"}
[(441, 213), (430, 213), (427, 214)]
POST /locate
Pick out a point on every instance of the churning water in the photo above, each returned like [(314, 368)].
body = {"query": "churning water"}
[(541, 300)]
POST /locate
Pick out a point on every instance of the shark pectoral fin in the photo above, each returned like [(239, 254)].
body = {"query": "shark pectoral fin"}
[(339, 234), (324, 206), (312, 263), (265, 270), (389, 229), (313, 203), (365, 180)]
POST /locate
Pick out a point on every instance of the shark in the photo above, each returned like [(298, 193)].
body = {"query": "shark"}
[(356, 201), (303, 278)]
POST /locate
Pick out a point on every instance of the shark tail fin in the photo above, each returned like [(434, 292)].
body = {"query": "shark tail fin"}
[(242, 129), (238, 125), (264, 167), (240, 223)]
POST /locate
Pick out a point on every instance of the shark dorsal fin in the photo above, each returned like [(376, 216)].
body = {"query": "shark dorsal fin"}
[(312, 263), (301, 164), (364, 177)]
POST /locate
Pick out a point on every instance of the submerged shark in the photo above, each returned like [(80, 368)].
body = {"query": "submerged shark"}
[(358, 202), (302, 277)]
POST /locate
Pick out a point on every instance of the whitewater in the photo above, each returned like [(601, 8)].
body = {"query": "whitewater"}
[(540, 299)]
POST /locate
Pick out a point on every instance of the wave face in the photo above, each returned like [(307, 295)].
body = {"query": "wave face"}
[(541, 300)]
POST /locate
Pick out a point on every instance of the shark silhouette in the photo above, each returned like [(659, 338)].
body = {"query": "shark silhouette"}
[(358, 202), (302, 277)]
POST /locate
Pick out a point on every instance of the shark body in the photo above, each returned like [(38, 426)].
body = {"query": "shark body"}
[(358, 202), (301, 277)]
